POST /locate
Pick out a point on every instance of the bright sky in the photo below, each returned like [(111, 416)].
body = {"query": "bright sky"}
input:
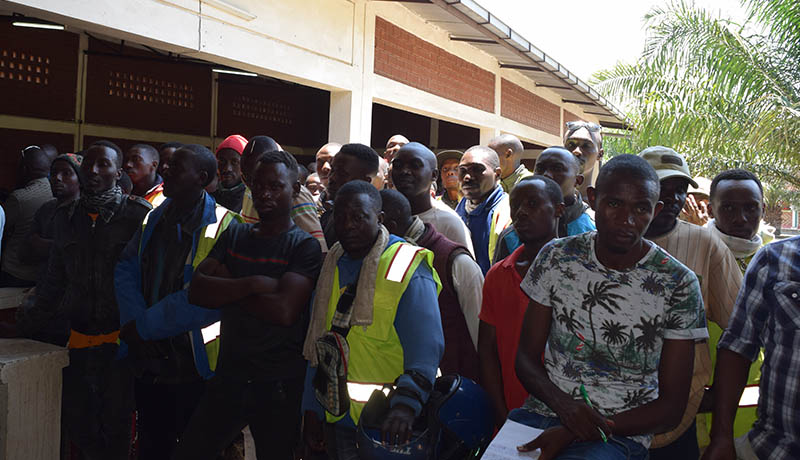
[(587, 36)]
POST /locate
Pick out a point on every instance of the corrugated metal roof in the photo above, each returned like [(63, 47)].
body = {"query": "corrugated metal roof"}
[(467, 21)]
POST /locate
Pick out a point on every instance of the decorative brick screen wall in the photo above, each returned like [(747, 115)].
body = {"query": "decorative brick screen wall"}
[(388, 121), (408, 59), (569, 116), (135, 89), (38, 72), (459, 137), (521, 105), (293, 114)]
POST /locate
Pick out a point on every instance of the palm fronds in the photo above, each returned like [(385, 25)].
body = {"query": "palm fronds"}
[(725, 94)]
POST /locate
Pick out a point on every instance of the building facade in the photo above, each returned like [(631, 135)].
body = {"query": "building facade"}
[(446, 73)]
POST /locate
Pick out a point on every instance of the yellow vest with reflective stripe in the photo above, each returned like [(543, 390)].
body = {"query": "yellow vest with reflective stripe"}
[(208, 237), (376, 355), (500, 220)]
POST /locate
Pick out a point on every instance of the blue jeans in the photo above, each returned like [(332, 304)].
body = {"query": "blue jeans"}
[(685, 447), (617, 448), (341, 441)]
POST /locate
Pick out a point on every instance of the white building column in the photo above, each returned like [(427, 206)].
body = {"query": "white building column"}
[(350, 118), (351, 110), (487, 134), (341, 117)]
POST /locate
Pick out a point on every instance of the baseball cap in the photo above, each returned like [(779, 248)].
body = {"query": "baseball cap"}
[(667, 163), (445, 155), (235, 142), (703, 187)]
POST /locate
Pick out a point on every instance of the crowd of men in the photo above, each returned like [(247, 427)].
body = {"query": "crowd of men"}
[(200, 293)]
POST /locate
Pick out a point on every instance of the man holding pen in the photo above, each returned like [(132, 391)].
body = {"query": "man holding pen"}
[(616, 319)]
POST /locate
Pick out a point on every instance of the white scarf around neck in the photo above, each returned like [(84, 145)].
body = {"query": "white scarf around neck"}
[(740, 247), (365, 294)]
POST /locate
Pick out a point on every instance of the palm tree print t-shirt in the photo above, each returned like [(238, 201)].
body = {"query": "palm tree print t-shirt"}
[(608, 326)]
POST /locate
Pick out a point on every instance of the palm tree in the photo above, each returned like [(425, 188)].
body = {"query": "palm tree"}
[(613, 334), (599, 294), (725, 94), (638, 397), (554, 299), (568, 320), (646, 342)]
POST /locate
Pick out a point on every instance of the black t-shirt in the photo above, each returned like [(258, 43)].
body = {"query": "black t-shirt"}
[(251, 348)]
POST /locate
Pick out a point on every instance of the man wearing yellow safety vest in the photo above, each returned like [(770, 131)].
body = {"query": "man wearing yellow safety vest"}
[(736, 206), (260, 276), (90, 233), (394, 330), (161, 330), (484, 207)]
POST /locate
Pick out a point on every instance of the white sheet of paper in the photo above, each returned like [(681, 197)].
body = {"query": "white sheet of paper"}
[(511, 435)]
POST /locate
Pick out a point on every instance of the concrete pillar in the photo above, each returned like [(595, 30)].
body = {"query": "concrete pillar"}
[(487, 134), (342, 120), (434, 140), (350, 118), (351, 108), (30, 399)]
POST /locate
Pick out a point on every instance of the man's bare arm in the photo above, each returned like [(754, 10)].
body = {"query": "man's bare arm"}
[(286, 304), (730, 378), (490, 371), (210, 290)]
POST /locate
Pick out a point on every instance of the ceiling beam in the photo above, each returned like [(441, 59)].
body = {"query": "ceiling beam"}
[(521, 67), (540, 85), (487, 41)]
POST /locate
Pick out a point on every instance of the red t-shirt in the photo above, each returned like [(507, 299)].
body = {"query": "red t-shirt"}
[(503, 307)]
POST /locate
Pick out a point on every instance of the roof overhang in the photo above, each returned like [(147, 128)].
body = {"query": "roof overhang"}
[(467, 21)]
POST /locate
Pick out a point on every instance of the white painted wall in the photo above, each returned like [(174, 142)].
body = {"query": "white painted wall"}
[(327, 44)]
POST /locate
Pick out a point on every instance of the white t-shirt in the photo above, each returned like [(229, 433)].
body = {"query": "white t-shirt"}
[(468, 284), (448, 223), (608, 326)]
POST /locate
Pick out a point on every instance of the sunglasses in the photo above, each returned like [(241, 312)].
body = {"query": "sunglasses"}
[(30, 147), (576, 125)]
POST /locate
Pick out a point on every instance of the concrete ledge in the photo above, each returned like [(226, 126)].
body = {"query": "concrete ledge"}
[(12, 297), (30, 399)]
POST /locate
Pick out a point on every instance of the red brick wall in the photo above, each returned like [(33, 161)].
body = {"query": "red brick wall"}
[(519, 104), (569, 116), (786, 219), (406, 58)]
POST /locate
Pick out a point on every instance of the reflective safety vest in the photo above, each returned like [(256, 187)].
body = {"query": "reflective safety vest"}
[(500, 220), (376, 355), (155, 196), (207, 238), (746, 414), (248, 212)]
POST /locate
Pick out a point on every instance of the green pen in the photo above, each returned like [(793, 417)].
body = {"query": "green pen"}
[(589, 403)]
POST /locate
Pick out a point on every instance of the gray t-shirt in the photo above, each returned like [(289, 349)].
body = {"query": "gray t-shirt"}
[(251, 348), (20, 208)]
